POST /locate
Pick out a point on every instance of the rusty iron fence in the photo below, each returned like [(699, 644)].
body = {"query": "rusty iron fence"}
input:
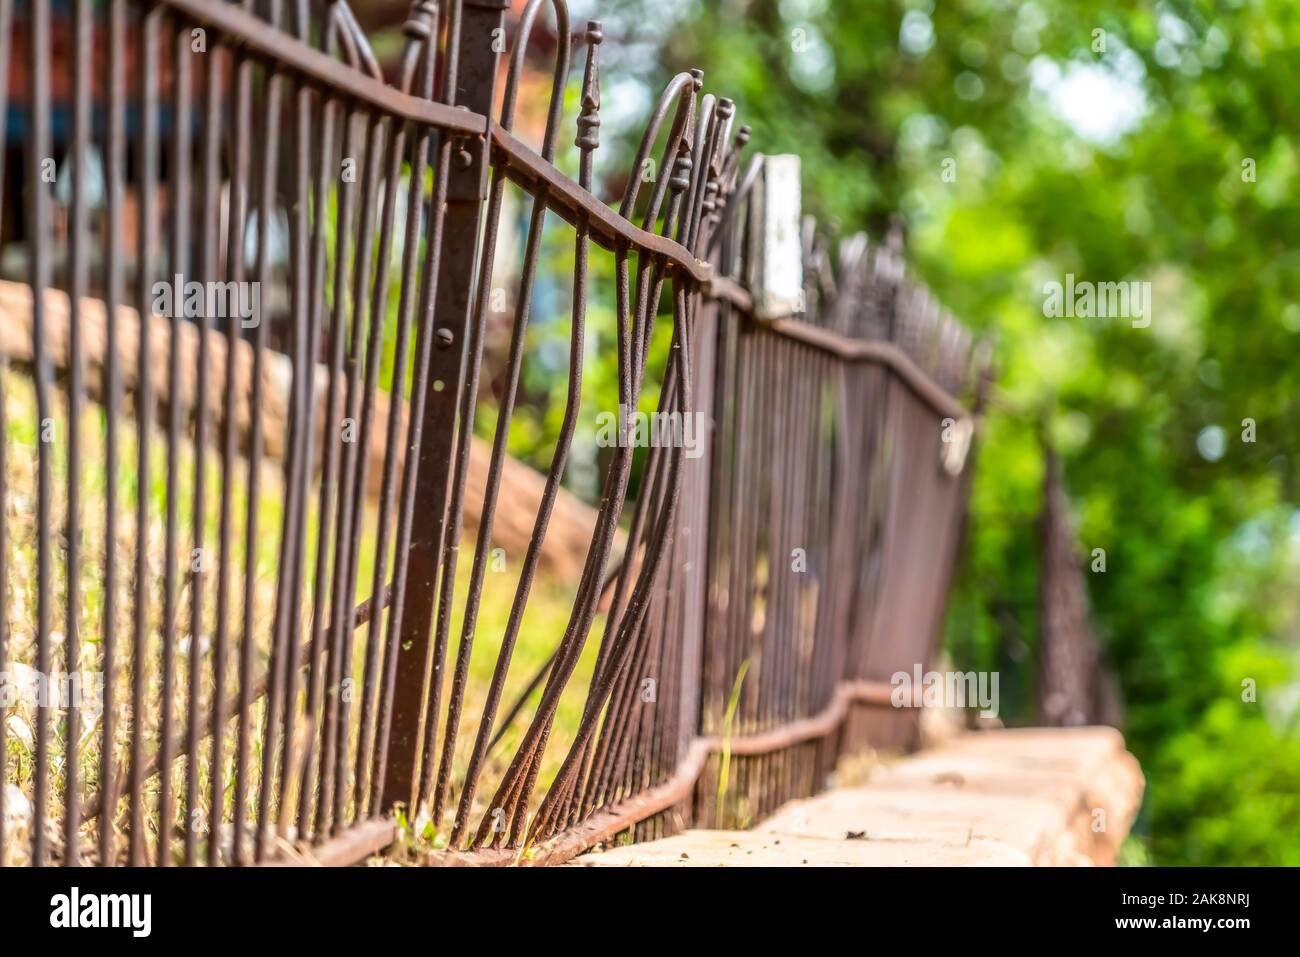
[(285, 661)]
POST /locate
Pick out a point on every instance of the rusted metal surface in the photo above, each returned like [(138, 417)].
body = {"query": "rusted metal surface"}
[(418, 682), (259, 705), (618, 818)]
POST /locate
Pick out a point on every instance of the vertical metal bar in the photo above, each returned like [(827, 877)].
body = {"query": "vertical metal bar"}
[(209, 237), (115, 170), (417, 29), (291, 467), (6, 51), (179, 200), (278, 716), (374, 353), (241, 132), (306, 346), (352, 507), (330, 436), (270, 140), (77, 265), (38, 162), (6, 24), (144, 408), (418, 675), (333, 743)]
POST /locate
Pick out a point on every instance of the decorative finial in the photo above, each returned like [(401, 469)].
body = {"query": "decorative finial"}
[(682, 167), (419, 22), (685, 162), (589, 119)]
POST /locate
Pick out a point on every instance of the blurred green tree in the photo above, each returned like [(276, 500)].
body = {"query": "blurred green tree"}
[(1019, 143)]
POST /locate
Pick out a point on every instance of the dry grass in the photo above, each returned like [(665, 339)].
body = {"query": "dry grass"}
[(543, 624)]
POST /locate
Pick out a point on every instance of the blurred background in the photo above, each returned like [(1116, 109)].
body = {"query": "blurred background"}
[(1010, 145)]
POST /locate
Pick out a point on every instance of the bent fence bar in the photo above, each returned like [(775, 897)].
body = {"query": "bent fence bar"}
[(237, 625)]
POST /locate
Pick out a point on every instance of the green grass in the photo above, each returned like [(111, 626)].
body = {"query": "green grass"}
[(728, 723)]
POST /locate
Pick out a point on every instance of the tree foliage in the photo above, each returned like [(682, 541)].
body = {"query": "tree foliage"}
[(1142, 142)]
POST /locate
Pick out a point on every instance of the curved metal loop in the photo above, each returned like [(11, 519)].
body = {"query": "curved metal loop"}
[(336, 35), (357, 45), (419, 29), (702, 141), (518, 50), (733, 189), (714, 201), (681, 88)]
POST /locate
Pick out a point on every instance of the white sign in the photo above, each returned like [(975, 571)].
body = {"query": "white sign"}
[(776, 256)]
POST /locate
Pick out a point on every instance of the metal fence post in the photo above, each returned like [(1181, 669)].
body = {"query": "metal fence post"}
[(479, 45)]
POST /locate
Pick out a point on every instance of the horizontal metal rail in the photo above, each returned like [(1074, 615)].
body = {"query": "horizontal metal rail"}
[(528, 168), (270, 44), (616, 819)]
